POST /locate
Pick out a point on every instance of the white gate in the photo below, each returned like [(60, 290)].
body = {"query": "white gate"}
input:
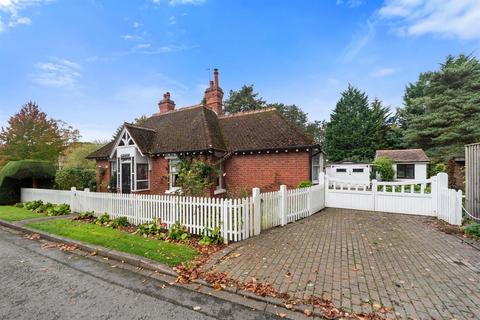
[(430, 197)]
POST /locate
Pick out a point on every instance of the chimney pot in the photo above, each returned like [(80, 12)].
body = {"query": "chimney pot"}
[(166, 104), (214, 95)]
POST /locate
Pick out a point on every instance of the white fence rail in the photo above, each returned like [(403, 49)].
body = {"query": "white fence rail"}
[(238, 219), (429, 197)]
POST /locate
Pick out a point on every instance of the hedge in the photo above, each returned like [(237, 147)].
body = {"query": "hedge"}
[(79, 178), (23, 173)]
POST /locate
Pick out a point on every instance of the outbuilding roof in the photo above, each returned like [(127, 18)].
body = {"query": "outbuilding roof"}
[(404, 155)]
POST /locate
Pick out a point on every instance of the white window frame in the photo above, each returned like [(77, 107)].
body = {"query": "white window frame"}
[(143, 180), (220, 188), (173, 159), (316, 165)]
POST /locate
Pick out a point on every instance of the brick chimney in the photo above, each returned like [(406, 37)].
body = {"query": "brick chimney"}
[(166, 104), (214, 94)]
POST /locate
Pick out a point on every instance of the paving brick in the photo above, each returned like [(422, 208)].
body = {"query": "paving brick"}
[(360, 259)]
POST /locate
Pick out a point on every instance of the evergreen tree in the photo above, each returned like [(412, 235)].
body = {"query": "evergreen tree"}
[(442, 109), (356, 129)]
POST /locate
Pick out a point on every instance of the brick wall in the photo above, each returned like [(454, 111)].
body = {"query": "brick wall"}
[(266, 171), (158, 176), (102, 182)]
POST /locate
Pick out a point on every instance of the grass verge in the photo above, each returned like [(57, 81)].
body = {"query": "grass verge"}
[(167, 253), (10, 213)]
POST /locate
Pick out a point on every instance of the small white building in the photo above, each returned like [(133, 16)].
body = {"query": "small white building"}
[(349, 171), (409, 164)]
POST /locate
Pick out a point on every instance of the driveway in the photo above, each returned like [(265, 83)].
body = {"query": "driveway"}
[(366, 260)]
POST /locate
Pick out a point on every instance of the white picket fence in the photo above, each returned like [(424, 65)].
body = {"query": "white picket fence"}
[(430, 197), (238, 219)]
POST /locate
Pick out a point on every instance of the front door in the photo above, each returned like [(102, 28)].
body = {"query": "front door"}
[(126, 178)]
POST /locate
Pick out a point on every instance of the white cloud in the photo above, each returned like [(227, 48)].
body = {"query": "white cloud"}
[(136, 24), (181, 2), (172, 20), (131, 37), (383, 72), (351, 3), (21, 20), (358, 42), (12, 8), (56, 73), (454, 18)]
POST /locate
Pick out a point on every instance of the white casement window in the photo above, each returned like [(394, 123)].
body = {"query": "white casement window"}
[(315, 168), (219, 183), (142, 182), (173, 164)]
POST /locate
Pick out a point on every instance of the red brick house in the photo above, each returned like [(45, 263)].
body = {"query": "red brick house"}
[(250, 149)]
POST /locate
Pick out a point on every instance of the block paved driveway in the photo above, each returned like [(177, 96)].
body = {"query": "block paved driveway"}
[(362, 260)]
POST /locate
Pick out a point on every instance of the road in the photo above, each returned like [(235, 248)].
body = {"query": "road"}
[(47, 283)]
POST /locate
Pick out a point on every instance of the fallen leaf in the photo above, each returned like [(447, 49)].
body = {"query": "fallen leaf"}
[(196, 308), (307, 312), (282, 315)]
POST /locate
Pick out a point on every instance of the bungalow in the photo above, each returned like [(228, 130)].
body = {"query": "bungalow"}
[(407, 163), (249, 149)]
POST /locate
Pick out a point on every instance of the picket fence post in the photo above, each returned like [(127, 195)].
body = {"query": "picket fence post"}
[(458, 208), (434, 193), (283, 204), (257, 219), (225, 205), (374, 194), (72, 203)]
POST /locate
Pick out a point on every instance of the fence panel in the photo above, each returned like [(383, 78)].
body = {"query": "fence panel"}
[(270, 209)]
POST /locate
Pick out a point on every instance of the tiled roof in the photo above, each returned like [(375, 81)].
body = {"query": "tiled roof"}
[(405, 155), (260, 130), (197, 128)]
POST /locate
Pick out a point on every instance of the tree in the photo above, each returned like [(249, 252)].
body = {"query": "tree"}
[(357, 128), (75, 155), (442, 108), (242, 100), (31, 135)]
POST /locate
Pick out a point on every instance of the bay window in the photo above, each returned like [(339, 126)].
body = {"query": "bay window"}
[(142, 176)]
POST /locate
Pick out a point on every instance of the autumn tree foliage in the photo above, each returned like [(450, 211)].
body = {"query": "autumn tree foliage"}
[(30, 134)]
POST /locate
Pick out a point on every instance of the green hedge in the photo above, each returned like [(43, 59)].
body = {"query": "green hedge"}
[(24, 173), (79, 178)]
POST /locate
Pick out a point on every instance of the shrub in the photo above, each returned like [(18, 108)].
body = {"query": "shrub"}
[(104, 219), (67, 178), (194, 177), (178, 231), (215, 237), (384, 167), (32, 205), (437, 168), (473, 229), (153, 228), (119, 222), (85, 216), (305, 184), (50, 209)]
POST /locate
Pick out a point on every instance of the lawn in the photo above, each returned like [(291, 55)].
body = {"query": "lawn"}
[(167, 253), (9, 213)]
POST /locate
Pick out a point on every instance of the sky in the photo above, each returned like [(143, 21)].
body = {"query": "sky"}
[(95, 64)]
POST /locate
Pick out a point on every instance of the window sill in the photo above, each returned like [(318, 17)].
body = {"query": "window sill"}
[(219, 191)]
